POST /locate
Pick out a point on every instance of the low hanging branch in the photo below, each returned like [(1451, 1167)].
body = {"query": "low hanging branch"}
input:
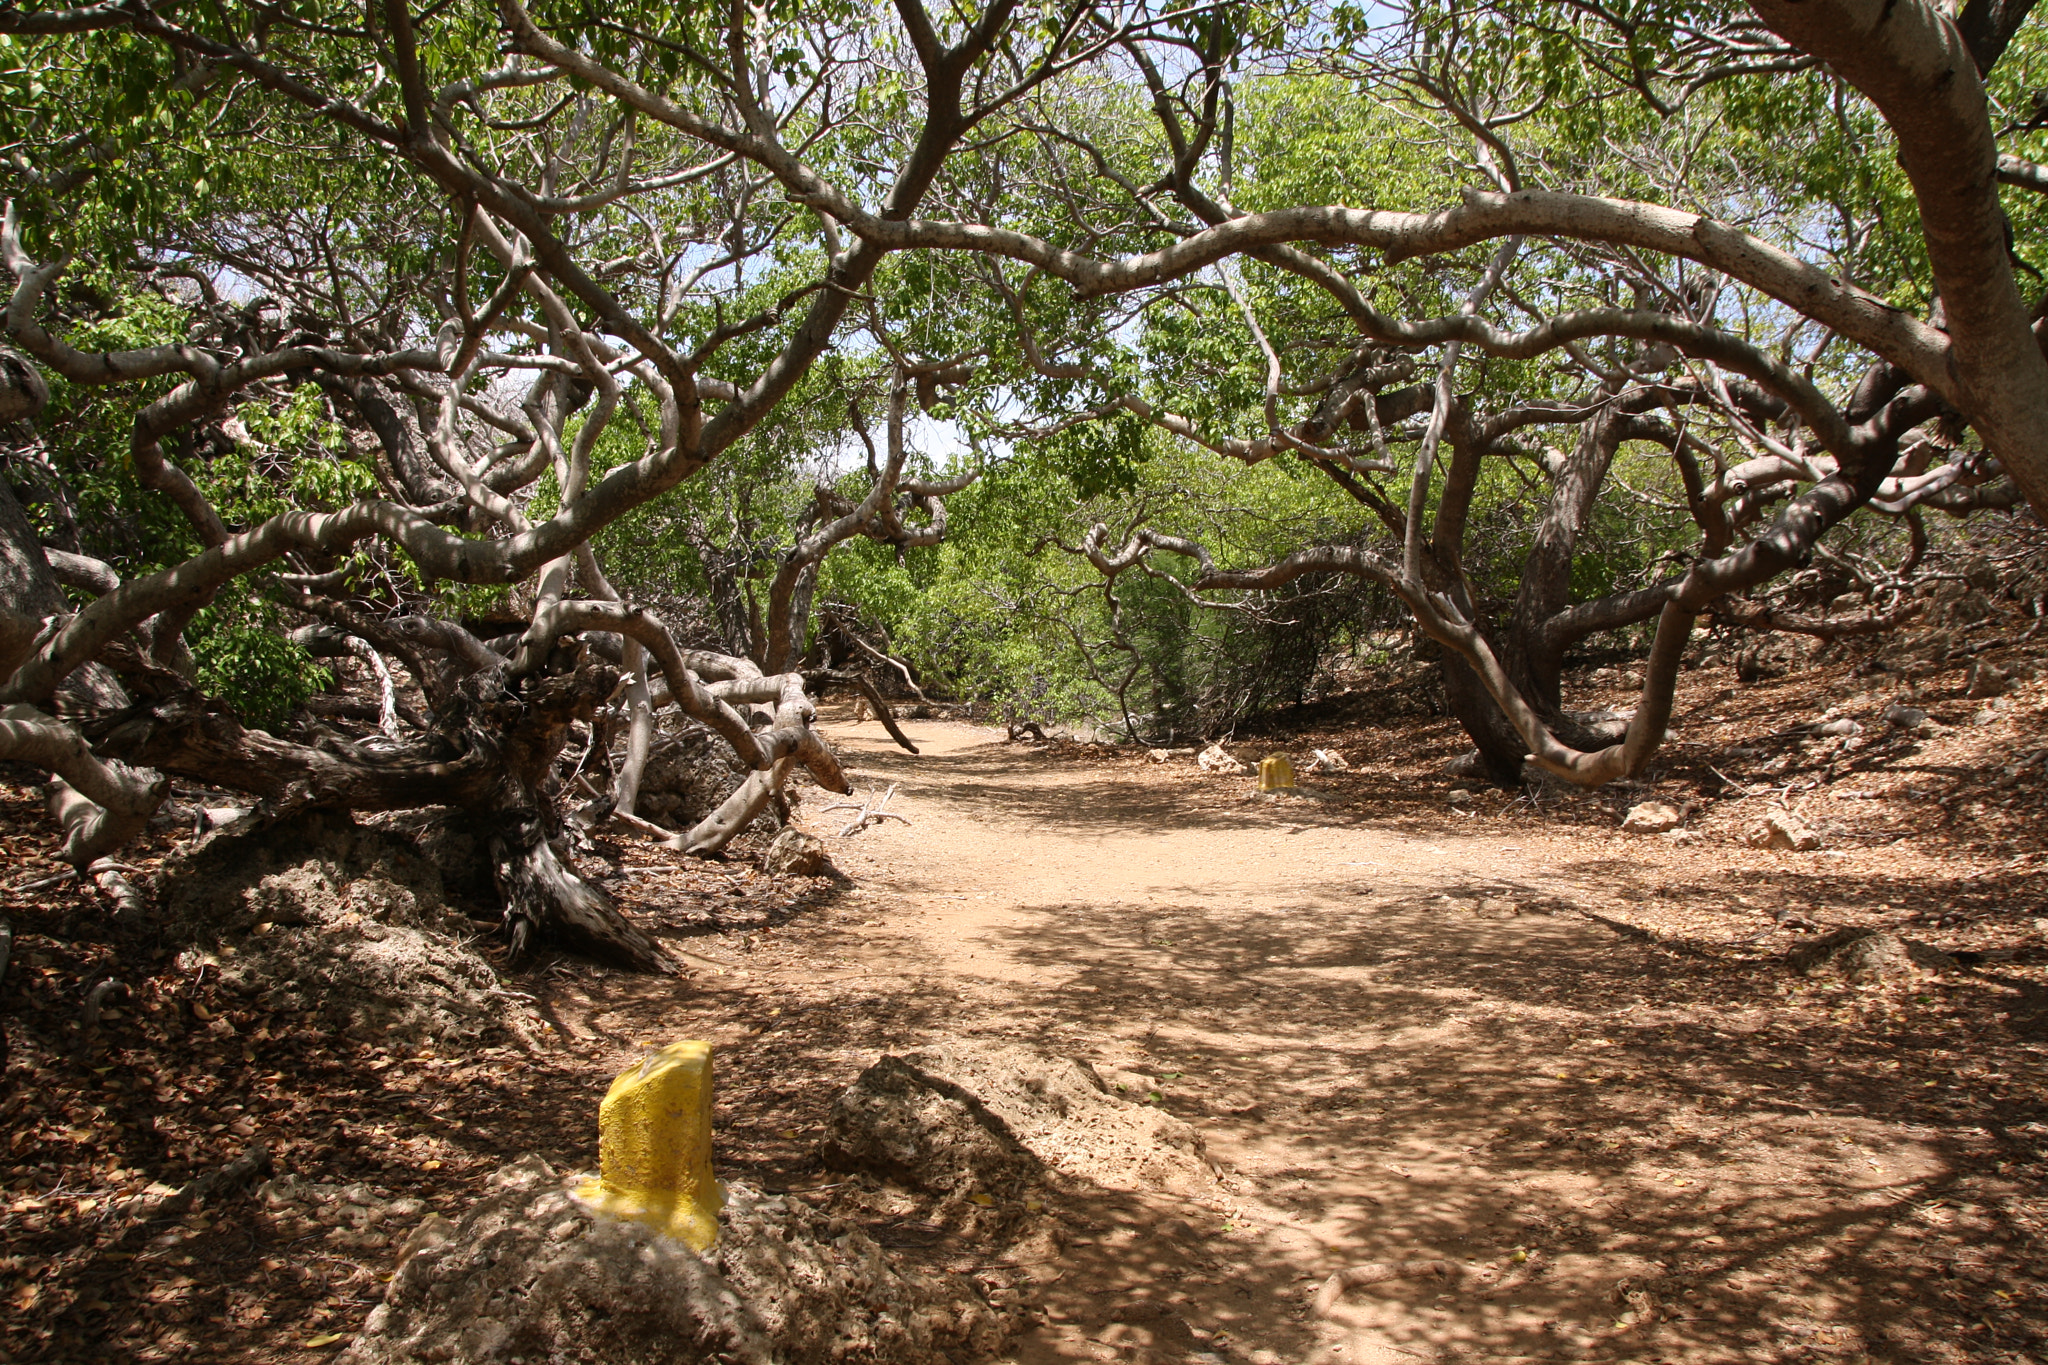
[(1678, 605), (883, 711)]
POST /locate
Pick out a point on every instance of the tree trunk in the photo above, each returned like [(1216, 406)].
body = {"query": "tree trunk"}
[(639, 730), (1500, 748), (1537, 665), (489, 757), (29, 588)]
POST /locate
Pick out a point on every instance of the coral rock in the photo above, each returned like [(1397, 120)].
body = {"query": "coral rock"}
[(1651, 817)]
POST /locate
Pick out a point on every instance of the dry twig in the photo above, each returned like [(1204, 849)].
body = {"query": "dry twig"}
[(872, 812)]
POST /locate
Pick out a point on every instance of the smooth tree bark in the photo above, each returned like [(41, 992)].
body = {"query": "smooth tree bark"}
[(562, 290)]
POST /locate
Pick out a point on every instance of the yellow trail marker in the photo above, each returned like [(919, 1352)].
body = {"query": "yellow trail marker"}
[(1275, 773), (654, 1147)]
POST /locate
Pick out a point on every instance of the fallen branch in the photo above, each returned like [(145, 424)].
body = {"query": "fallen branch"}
[(646, 827), (872, 812), (129, 903)]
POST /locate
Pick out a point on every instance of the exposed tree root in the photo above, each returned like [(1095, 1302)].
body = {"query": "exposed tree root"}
[(101, 803)]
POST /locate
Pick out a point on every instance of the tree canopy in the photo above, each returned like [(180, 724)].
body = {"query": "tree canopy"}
[(1525, 321)]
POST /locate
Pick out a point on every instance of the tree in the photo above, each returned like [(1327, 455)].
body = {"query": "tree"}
[(528, 231), (1657, 326)]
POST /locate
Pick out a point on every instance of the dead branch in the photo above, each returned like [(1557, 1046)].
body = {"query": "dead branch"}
[(873, 694), (872, 812)]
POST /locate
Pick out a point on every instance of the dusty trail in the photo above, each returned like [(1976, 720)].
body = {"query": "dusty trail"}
[(1396, 1048)]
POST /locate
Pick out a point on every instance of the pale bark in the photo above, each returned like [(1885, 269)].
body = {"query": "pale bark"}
[(639, 731), (102, 803), (1907, 58)]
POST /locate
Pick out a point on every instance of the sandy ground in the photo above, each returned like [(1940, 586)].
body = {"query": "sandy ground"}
[(1398, 1049), (1568, 1063)]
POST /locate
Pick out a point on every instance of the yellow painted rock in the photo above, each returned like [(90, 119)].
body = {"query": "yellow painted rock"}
[(1275, 773), (654, 1147)]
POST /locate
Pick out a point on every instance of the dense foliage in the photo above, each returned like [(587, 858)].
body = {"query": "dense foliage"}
[(1143, 364)]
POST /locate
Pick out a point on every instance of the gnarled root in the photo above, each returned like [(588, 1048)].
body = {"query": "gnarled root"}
[(489, 759), (101, 803), (545, 900)]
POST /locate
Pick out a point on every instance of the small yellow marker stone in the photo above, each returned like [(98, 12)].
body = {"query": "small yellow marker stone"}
[(654, 1147), (1275, 773)]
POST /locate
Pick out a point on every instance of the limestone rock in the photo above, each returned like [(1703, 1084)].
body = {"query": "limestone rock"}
[(1215, 760), (972, 1099), (1651, 817), (317, 915), (690, 775), (900, 1120), (795, 854), (531, 1275), (1904, 717), (1866, 955), (1781, 829)]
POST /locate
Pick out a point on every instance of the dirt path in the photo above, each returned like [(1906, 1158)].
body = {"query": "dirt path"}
[(1397, 1049), (1495, 1033)]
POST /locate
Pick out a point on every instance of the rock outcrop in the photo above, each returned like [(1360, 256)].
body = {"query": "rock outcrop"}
[(968, 1115), (315, 915), (531, 1275)]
